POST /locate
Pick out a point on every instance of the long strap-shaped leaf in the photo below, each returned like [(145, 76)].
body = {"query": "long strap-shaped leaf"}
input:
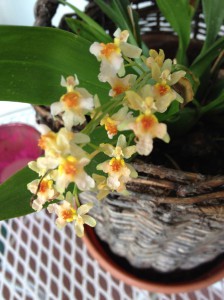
[(214, 17), (82, 29), (178, 13), (14, 196), (204, 60), (118, 13), (84, 17), (32, 61)]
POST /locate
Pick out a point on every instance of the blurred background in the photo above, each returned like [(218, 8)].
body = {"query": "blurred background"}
[(9, 11), (21, 12)]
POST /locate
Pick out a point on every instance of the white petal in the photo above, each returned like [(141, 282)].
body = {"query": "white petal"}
[(81, 138), (133, 173), (56, 108), (175, 77), (61, 183), (108, 149), (121, 114), (36, 205), (95, 49), (60, 223), (121, 142), (156, 72), (113, 182), (33, 185), (52, 208), (69, 198), (88, 220), (33, 166), (105, 167), (167, 65), (117, 33), (80, 154), (160, 130), (47, 163), (129, 151), (134, 100), (144, 145), (84, 209), (84, 182), (129, 50), (71, 118), (84, 93), (63, 81), (79, 229)]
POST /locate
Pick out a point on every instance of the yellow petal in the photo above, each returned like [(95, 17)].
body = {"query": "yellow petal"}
[(88, 220), (84, 209), (79, 229)]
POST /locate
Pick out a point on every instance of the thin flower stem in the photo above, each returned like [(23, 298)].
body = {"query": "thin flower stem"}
[(95, 147), (93, 154), (75, 193), (95, 121), (134, 63), (142, 80), (130, 138)]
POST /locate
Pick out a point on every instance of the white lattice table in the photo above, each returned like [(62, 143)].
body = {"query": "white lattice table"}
[(38, 261)]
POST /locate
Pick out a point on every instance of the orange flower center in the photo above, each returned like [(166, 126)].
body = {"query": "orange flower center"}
[(111, 127), (43, 186), (162, 89), (119, 89), (108, 49), (69, 167), (147, 122), (116, 164), (68, 214), (71, 99), (50, 137)]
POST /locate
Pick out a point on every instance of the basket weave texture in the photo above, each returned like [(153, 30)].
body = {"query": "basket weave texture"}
[(171, 219)]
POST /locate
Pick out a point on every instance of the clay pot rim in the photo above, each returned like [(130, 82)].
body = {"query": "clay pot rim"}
[(97, 251)]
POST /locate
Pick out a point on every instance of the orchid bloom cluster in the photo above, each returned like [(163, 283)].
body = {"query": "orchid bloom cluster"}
[(129, 119)]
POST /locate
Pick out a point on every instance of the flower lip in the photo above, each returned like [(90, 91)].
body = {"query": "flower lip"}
[(69, 166), (44, 185), (147, 121), (71, 99), (162, 89), (111, 126), (116, 164), (109, 49), (69, 214)]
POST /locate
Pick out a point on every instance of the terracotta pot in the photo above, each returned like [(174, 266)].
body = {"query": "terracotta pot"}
[(214, 271)]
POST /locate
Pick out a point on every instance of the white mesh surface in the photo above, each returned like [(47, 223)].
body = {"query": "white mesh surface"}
[(40, 262)]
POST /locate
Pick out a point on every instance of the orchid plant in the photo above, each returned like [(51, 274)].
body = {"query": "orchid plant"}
[(133, 106), (121, 94)]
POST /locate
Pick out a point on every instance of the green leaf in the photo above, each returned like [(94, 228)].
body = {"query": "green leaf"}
[(214, 106), (84, 30), (178, 14), (34, 58), (183, 121), (84, 17), (14, 196), (214, 16), (204, 60), (115, 11), (172, 110)]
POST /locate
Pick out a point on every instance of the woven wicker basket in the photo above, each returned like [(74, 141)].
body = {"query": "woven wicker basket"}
[(172, 219)]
